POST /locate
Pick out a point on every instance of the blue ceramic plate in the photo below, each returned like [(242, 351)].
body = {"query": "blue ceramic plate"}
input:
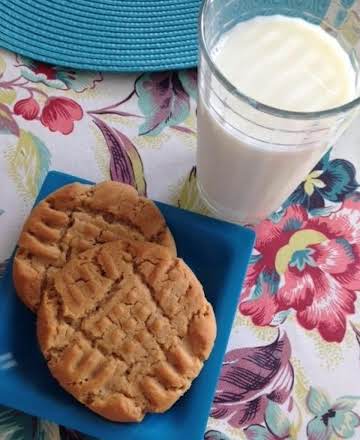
[(217, 252)]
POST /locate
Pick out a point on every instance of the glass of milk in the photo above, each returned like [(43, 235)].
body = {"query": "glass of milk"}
[(278, 84)]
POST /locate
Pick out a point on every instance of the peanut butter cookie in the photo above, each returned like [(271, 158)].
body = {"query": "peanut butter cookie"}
[(125, 328), (75, 218)]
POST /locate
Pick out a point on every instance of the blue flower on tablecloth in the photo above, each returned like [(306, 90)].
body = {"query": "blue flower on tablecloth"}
[(329, 181), (280, 423), (57, 77), (338, 420)]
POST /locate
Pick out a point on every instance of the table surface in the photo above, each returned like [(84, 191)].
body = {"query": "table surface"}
[(292, 363)]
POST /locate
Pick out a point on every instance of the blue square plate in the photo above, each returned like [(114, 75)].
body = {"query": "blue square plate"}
[(217, 252)]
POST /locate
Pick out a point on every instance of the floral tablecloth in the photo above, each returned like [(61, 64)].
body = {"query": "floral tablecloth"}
[(292, 365)]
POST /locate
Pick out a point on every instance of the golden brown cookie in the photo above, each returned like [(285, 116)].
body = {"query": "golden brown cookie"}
[(75, 218), (125, 329)]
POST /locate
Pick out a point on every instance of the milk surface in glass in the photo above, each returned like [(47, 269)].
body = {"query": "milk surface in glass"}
[(283, 62)]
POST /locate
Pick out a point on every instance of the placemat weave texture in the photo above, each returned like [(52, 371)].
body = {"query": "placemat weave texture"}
[(108, 35)]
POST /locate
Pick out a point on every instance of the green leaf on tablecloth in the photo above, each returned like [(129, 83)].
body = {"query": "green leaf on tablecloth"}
[(277, 216), (8, 124), (7, 96), (58, 77), (188, 79), (279, 318), (189, 197), (215, 435), (258, 432), (28, 164), (46, 431), (317, 402), (15, 425), (162, 100), (325, 211), (125, 162), (277, 420)]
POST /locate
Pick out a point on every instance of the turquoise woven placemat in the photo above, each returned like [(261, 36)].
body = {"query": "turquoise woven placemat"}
[(108, 35)]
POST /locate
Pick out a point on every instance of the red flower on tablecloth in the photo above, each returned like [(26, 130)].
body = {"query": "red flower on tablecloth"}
[(310, 265), (27, 108), (59, 114)]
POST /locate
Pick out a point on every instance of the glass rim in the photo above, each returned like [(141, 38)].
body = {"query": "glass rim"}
[(286, 114)]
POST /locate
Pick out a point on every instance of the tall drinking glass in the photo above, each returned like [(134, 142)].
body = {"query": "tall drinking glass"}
[(251, 156)]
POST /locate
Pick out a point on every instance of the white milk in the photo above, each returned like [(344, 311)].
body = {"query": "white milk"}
[(285, 63)]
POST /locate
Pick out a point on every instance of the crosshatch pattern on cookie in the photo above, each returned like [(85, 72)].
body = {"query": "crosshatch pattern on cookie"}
[(125, 328), (74, 219)]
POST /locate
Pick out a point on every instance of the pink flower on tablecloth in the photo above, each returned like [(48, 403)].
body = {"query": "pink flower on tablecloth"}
[(310, 265), (27, 108), (60, 113)]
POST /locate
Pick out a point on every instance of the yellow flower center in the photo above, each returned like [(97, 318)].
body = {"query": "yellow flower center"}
[(300, 240)]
